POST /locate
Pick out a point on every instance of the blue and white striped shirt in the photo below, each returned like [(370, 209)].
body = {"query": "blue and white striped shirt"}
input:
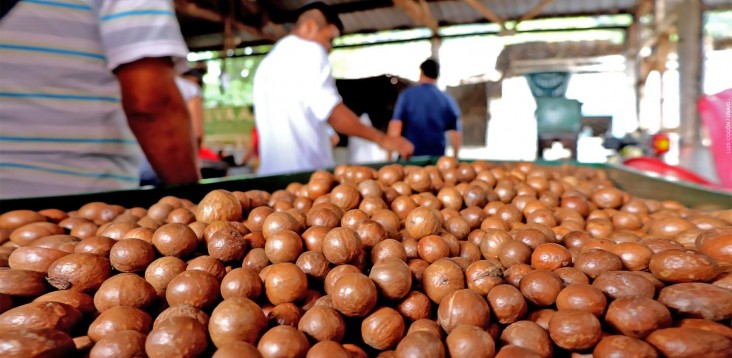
[(62, 127)]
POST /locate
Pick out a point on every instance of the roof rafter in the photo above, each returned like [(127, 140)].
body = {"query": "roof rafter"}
[(194, 10), (419, 12)]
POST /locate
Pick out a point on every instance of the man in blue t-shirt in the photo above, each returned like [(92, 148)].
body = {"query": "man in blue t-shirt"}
[(423, 114)]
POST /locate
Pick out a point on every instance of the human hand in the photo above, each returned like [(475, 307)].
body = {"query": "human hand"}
[(397, 144)]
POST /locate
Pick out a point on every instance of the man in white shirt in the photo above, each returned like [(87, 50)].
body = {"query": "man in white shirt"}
[(295, 99)]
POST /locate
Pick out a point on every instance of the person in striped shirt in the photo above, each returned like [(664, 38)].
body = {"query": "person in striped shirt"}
[(84, 85)]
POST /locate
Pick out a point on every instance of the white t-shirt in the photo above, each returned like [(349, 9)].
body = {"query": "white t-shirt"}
[(62, 127), (294, 95), (188, 89)]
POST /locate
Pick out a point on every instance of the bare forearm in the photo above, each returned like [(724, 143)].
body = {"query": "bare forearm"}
[(166, 138), (344, 121), (455, 141), (395, 127), (159, 119), (395, 130), (195, 107)]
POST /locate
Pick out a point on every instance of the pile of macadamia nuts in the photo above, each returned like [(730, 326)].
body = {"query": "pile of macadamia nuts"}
[(449, 260)]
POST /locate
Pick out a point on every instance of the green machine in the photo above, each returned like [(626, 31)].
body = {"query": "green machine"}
[(558, 118)]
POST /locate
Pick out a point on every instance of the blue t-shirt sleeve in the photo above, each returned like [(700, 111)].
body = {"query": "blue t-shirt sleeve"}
[(400, 109), (453, 117)]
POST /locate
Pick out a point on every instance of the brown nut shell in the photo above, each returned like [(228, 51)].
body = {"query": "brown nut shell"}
[(550, 257), (241, 282), (283, 341), (392, 277), (623, 346), (422, 221), (541, 287), (328, 349), (637, 316), (717, 244), (74, 298), (483, 275), (131, 255), (125, 289), (226, 245), (28, 233), (236, 319), (383, 328), (22, 283), (470, 341), (236, 350), (706, 325), (97, 245), (283, 246), (699, 300), (420, 344), (196, 288), (507, 304), (341, 246), (44, 342), (634, 256), (120, 318), (463, 307), (690, 342), (208, 264), (182, 311), (442, 278), (354, 295), (575, 330), (512, 351), (39, 315), (323, 323), (595, 262), (415, 306), (85, 272), (529, 335), (175, 239), (679, 266), (285, 282), (582, 297), (34, 258), (177, 337), (124, 344), (218, 205), (618, 284), (287, 314), (161, 271), (14, 219)]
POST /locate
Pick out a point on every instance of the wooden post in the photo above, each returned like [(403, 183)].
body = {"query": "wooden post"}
[(436, 42), (691, 66)]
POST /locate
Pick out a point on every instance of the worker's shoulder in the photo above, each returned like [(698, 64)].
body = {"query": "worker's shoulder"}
[(425, 92)]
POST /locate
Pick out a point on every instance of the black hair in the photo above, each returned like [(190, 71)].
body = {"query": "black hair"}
[(331, 16), (430, 68), (195, 73)]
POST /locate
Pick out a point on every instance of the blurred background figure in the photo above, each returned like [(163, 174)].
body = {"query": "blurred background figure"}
[(425, 115), (295, 99)]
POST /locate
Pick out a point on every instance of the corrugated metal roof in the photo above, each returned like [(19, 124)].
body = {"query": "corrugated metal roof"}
[(360, 16), (460, 12)]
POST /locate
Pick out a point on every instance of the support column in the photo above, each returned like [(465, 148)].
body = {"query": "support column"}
[(436, 42), (691, 67)]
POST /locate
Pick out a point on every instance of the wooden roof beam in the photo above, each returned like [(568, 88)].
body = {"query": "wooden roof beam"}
[(488, 13), (193, 10), (534, 12), (419, 12)]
